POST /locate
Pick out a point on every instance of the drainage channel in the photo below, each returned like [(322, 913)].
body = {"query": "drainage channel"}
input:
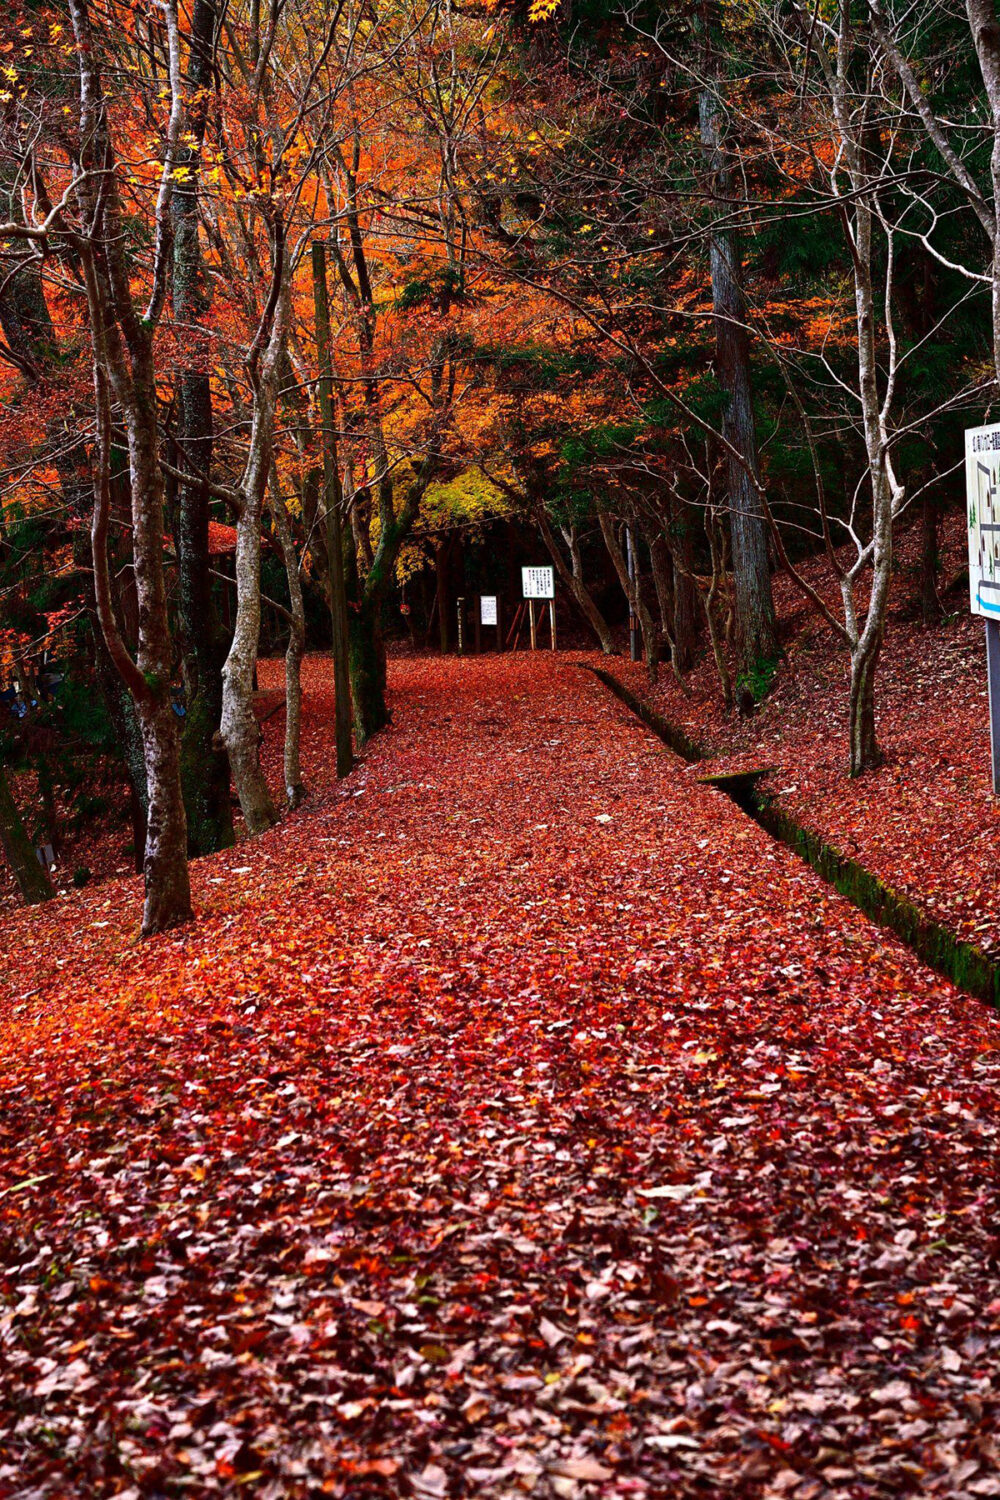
[(968, 967)]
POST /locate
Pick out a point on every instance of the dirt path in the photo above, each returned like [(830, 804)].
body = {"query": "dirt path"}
[(515, 1120)]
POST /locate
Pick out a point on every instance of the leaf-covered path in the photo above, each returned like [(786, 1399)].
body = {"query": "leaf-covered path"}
[(515, 1120)]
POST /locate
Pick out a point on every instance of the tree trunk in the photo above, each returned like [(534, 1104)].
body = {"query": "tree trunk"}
[(33, 881), (659, 559), (124, 368), (633, 593), (368, 668), (886, 495), (442, 559), (240, 731), (294, 787), (662, 570), (717, 548), (332, 505), (685, 588), (204, 768), (985, 29), (756, 625), (573, 580), (168, 890), (865, 754), (366, 644), (930, 601)]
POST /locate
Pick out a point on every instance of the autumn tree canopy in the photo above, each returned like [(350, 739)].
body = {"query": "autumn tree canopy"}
[(674, 297)]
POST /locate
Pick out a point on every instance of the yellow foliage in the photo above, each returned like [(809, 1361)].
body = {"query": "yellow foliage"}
[(469, 500)]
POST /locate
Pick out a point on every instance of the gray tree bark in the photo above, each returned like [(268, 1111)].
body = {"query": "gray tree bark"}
[(240, 730), (122, 348), (633, 593), (756, 625)]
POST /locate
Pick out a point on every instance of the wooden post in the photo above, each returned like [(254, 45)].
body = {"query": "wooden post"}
[(477, 625), (552, 621), (531, 625), (461, 625), (332, 502), (499, 622), (993, 680)]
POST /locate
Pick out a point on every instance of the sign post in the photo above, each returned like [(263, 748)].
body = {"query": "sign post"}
[(993, 679), (488, 613), (539, 583), (982, 487)]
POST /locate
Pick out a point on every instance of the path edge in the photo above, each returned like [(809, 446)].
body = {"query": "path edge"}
[(966, 966)]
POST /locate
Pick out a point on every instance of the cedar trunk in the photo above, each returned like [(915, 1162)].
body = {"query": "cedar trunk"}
[(756, 626)]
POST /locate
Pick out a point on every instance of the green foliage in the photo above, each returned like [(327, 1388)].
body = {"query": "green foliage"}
[(437, 288), (88, 806), (78, 712), (596, 444), (535, 366), (758, 678)]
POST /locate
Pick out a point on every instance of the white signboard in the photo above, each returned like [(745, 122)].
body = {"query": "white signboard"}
[(537, 583), (487, 609), (982, 488)]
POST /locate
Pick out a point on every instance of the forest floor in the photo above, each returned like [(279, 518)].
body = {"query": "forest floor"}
[(516, 1118), (926, 822)]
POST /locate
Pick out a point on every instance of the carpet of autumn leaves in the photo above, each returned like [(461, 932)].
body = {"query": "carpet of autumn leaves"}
[(926, 822), (515, 1119)]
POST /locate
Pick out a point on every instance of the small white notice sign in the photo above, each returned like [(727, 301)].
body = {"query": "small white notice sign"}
[(487, 609), (982, 487), (538, 583)]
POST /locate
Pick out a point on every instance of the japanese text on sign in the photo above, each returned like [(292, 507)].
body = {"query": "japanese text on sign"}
[(537, 583), (982, 484)]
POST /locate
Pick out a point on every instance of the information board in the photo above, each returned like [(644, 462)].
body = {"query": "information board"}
[(538, 583), (982, 487), (488, 609)]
